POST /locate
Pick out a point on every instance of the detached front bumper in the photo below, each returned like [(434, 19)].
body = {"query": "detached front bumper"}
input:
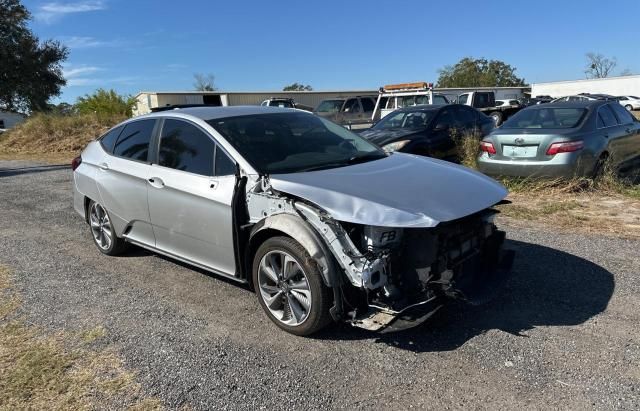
[(476, 281)]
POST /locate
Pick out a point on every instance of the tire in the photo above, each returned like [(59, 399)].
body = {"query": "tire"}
[(629, 107), (298, 304), (497, 117), (102, 232)]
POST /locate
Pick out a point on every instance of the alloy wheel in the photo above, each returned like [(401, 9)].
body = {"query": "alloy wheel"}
[(284, 288), (100, 226)]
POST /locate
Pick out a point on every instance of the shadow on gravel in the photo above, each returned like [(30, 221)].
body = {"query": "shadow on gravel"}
[(548, 287), (9, 172)]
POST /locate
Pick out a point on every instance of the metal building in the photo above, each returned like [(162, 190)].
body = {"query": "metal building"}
[(9, 119), (616, 86)]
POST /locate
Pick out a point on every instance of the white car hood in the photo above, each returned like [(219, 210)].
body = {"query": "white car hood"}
[(401, 190)]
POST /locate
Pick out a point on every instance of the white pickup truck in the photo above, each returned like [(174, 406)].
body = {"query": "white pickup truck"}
[(394, 96)]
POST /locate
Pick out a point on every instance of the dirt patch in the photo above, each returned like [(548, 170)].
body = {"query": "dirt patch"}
[(61, 371)]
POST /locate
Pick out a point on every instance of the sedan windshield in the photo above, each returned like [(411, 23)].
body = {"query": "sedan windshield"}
[(294, 142), (330, 106), (406, 120), (546, 118)]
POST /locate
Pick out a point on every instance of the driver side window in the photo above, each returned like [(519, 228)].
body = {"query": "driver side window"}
[(352, 106)]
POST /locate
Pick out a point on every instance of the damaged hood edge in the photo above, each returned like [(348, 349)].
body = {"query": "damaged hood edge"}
[(401, 190)]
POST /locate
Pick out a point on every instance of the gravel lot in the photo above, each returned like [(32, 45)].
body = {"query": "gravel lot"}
[(564, 334)]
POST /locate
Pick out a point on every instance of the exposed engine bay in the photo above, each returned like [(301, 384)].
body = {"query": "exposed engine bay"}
[(395, 278)]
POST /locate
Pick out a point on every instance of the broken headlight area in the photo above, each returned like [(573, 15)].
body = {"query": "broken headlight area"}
[(405, 273)]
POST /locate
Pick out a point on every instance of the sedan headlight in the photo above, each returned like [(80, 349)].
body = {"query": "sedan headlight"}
[(395, 146)]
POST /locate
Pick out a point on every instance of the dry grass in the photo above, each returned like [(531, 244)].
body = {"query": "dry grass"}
[(636, 113), (47, 135), (61, 371), (468, 146), (607, 205)]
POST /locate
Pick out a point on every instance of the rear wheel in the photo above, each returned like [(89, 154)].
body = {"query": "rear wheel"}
[(102, 232), (290, 288), (497, 117)]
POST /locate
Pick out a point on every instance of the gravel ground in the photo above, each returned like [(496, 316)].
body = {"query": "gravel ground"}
[(564, 334)]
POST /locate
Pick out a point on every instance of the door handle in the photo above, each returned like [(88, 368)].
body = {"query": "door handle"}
[(628, 131), (213, 184), (103, 166), (606, 136), (156, 182)]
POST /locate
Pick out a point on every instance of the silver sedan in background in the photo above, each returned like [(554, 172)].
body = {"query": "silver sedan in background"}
[(562, 140)]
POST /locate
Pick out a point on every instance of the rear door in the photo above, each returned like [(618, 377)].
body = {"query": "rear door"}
[(122, 180), (629, 140), (442, 144), (190, 193)]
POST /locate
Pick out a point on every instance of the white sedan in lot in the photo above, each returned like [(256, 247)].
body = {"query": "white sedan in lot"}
[(630, 102)]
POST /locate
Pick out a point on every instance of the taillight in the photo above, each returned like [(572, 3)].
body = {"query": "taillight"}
[(75, 163), (487, 147), (566, 147)]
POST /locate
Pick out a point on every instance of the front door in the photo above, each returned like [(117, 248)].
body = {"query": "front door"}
[(189, 203)]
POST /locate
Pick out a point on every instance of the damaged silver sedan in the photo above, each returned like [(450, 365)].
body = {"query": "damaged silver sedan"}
[(321, 223)]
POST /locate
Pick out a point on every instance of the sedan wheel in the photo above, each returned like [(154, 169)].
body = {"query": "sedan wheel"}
[(289, 286), (628, 107), (102, 231), (284, 288)]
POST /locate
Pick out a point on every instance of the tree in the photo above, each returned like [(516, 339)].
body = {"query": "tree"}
[(599, 66), (30, 70), (62, 109), (471, 72), (626, 72), (105, 102), (204, 82), (297, 87)]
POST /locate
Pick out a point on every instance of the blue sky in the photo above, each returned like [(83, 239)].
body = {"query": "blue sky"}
[(135, 45)]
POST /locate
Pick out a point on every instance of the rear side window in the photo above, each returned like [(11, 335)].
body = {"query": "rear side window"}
[(109, 140), (606, 117), (352, 106), (134, 139), (464, 117), (624, 117), (185, 147)]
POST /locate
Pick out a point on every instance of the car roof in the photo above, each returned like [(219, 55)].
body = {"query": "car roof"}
[(212, 113), (570, 104), (423, 107)]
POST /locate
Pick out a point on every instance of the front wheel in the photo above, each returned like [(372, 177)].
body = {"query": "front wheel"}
[(102, 231), (290, 288), (629, 107)]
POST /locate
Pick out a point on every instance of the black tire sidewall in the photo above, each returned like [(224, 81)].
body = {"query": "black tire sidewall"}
[(319, 316)]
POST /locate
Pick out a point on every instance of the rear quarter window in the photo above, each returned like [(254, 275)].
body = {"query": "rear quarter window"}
[(133, 142), (109, 140)]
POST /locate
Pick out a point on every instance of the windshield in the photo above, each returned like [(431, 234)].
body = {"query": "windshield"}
[(635, 98), (330, 106), (546, 118), (406, 120), (294, 142)]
